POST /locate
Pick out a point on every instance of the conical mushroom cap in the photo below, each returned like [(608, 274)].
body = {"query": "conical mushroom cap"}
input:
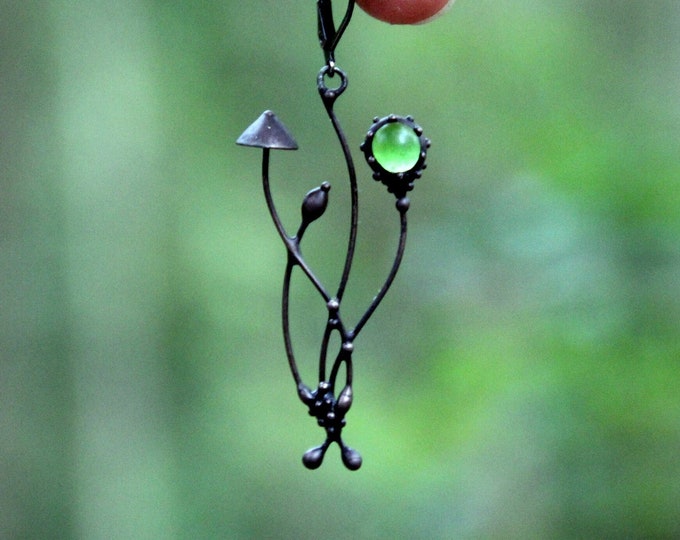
[(268, 132)]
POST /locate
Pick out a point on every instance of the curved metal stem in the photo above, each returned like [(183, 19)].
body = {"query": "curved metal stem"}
[(292, 243), (323, 353), (345, 357), (328, 96), (286, 324), (390, 278)]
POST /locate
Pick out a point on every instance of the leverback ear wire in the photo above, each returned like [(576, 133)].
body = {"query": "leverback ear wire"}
[(395, 150), (328, 35)]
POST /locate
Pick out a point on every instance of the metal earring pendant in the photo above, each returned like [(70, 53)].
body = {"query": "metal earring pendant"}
[(395, 150)]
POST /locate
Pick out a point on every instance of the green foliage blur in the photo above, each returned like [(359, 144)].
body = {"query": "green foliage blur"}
[(521, 379)]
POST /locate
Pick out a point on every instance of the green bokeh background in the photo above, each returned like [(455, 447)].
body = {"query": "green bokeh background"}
[(522, 378)]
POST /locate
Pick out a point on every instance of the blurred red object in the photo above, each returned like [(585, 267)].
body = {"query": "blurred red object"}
[(404, 11)]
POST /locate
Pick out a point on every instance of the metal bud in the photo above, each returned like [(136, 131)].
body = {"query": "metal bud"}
[(345, 399), (305, 394), (315, 202)]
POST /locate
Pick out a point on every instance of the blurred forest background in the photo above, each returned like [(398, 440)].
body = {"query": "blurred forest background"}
[(521, 379)]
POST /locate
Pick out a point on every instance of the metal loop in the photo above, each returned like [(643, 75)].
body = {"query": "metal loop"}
[(329, 95)]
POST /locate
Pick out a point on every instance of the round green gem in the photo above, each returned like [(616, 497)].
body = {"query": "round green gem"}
[(396, 147)]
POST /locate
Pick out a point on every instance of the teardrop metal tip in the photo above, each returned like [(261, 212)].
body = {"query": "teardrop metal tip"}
[(268, 132), (313, 458), (351, 458)]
